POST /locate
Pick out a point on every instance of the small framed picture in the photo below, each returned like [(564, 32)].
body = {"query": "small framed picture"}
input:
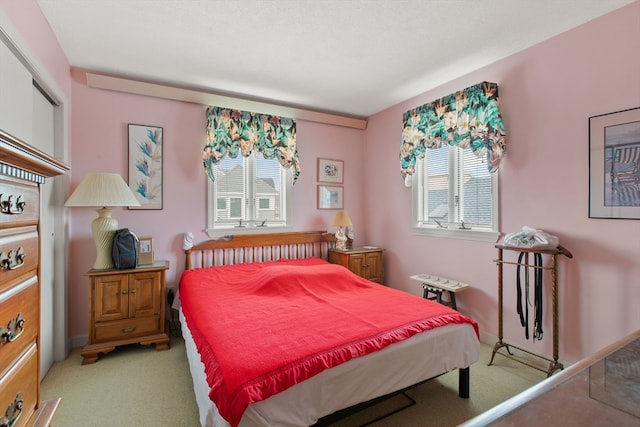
[(330, 197), (145, 250), (330, 170)]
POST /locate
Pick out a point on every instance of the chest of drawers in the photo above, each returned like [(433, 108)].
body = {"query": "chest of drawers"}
[(23, 170)]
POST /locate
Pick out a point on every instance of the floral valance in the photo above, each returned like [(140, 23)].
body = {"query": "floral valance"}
[(467, 118), (232, 132)]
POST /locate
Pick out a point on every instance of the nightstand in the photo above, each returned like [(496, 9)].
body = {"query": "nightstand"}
[(126, 307), (365, 262)]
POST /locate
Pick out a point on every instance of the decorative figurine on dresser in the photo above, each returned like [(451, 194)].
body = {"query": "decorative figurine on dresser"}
[(23, 169)]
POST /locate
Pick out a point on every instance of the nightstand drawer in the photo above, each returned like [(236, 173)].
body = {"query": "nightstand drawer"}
[(20, 386), (127, 328), (18, 254), (19, 202), (19, 320)]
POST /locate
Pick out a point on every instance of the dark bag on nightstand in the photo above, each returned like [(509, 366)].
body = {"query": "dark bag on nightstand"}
[(125, 249)]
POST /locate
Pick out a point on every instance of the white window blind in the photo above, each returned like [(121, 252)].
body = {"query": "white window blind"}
[(249, 192), (454, 194)]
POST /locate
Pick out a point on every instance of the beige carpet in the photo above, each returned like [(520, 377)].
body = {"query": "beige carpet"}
[(139, 386)]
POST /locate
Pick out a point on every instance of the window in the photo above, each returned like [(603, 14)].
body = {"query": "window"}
[(248, 192), (454, 195)]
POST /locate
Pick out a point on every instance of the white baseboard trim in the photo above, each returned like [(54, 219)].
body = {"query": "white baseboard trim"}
[(79, 341)]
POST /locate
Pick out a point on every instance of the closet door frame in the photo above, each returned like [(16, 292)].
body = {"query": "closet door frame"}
[(11, 37)]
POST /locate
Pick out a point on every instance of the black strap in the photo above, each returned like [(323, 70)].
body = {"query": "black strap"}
[(523, 299), (537, 323), (524, 319)]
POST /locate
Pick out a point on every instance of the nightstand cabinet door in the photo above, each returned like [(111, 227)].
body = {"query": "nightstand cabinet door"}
[(111, 299), (145, 294), (366, 263)]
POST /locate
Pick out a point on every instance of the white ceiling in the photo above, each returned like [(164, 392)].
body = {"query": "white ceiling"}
[(354, 57)]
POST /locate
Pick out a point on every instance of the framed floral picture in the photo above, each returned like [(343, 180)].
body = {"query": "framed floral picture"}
[(330, 171), (330, 197), (145, 165)]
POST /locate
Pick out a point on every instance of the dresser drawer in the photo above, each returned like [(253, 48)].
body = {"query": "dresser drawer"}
[(18, 254), (127, 328), (19, 202), (18, 321), (20, 383)]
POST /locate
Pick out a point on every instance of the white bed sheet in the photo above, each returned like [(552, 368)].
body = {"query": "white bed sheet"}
[(397, 366)]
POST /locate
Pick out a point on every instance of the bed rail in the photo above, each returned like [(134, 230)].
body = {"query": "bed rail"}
[(236, 249)]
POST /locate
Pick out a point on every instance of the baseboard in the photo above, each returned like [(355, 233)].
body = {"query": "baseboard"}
[(79, 341)]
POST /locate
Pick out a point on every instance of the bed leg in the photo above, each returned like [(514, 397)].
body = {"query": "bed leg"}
[(463, 383)]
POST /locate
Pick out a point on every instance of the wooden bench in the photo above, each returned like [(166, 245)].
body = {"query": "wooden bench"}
[(437, 285)]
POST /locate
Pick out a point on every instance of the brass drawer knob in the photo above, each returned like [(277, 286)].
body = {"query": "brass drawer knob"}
[(12, 260), (14, 329), (13, 412), (12, 205)]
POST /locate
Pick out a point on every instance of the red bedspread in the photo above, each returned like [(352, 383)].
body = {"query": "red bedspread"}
[(262, 327)]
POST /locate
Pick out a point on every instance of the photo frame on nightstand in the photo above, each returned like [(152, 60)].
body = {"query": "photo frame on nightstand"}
[(145, 250)]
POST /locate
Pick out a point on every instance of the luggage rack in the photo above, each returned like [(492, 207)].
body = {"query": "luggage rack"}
[(554, 365), (437, 285)]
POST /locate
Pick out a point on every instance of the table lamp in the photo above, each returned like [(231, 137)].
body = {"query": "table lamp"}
[(342, 220), (104, 190)]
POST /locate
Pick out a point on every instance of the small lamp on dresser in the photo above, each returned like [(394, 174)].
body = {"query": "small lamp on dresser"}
[(103, 190), (343, 241)]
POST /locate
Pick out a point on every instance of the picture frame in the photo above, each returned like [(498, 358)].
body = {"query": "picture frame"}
[(145, 250), (330, 170), (330, 197), (145, 165), (614, 165)]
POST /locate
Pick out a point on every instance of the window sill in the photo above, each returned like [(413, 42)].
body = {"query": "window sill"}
[(220, 232), (450, 233)]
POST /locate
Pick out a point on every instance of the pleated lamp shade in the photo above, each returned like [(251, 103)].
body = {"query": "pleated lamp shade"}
[(342, 219), (103, 190)]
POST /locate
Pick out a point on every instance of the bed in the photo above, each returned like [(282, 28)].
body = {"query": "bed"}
[(276, 335)]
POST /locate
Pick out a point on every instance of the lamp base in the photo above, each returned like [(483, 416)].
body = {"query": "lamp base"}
[(103, 229)]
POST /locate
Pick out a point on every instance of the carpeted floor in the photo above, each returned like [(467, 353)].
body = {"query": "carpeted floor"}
[(139, 386)]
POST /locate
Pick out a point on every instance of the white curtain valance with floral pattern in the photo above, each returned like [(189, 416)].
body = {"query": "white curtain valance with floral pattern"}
[(232, 132), (469, 118)]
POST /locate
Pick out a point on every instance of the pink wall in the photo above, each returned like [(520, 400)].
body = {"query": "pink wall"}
[(100, 144), (547, 94)]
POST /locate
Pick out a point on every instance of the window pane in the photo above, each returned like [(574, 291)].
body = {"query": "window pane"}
[(236, 208), (230, 185), (252, 189), (267, 198), (436, 194), (476, 190)]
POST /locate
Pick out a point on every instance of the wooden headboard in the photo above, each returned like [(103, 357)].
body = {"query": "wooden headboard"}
[(236, 249)]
